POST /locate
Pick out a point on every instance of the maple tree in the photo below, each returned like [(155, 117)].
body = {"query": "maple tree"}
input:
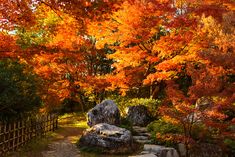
[(65, 58)]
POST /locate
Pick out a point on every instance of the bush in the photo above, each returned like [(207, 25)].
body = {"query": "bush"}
[(230, 143), (18, 90), (201, 133), (161, 127), (124, 102), (125, 123)]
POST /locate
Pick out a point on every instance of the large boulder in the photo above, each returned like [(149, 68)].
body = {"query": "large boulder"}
[(107, 139), (105, 112), (138, 115)]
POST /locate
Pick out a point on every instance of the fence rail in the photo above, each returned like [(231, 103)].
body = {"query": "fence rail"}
[(14, 135)]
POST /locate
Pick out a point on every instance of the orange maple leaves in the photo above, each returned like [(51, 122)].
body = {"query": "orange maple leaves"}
[(152, 41)]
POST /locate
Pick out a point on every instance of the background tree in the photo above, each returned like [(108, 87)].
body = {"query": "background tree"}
[(19, 90), (65, 58)]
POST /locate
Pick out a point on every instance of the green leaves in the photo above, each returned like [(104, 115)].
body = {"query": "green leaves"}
[(18, 92)]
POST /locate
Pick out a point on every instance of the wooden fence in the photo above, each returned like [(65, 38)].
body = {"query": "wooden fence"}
[(14, 135)]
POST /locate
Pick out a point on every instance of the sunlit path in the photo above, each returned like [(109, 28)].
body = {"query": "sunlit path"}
[(63, 144)]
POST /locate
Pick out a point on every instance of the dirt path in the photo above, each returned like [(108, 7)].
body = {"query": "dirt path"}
[(63, 144), (60, 143)]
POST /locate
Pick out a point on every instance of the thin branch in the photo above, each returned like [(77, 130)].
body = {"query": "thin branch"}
[(149, 51)]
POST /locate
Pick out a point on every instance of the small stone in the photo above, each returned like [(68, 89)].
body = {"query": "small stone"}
[(144, 152), (144, 141), (182, 149), (172, 153), (140, 137), (144, 134), (140, 129), (161, 151), (145, 155)]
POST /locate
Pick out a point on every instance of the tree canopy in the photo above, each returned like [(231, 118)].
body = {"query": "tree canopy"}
[(181, 49)]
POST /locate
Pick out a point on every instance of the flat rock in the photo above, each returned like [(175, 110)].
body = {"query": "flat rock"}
[(145, 155), (144, 141), (107, 138), (140, 137), (161, 151), (144, 134), (140, 129)]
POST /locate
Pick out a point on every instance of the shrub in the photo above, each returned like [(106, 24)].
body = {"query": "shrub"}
[(161, 132), (125, 123), (18, 90), (230, 143), (124, 102)]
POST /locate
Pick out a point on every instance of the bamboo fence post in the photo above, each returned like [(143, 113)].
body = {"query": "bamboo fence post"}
[(14, 136)]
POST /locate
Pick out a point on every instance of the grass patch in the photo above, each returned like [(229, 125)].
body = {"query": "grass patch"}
[(81, 124), (73, 120)]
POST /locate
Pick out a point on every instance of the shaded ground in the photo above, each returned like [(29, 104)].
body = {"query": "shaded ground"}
[(60, 143)]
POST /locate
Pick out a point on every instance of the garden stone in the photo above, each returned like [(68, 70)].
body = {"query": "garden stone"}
[(144, 141), (140, 138), (160, 151), (182, 149), (105, 112), (206, 150), (140, 129), (107, 139), (138, 115), (145, 155), (141, 135)]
